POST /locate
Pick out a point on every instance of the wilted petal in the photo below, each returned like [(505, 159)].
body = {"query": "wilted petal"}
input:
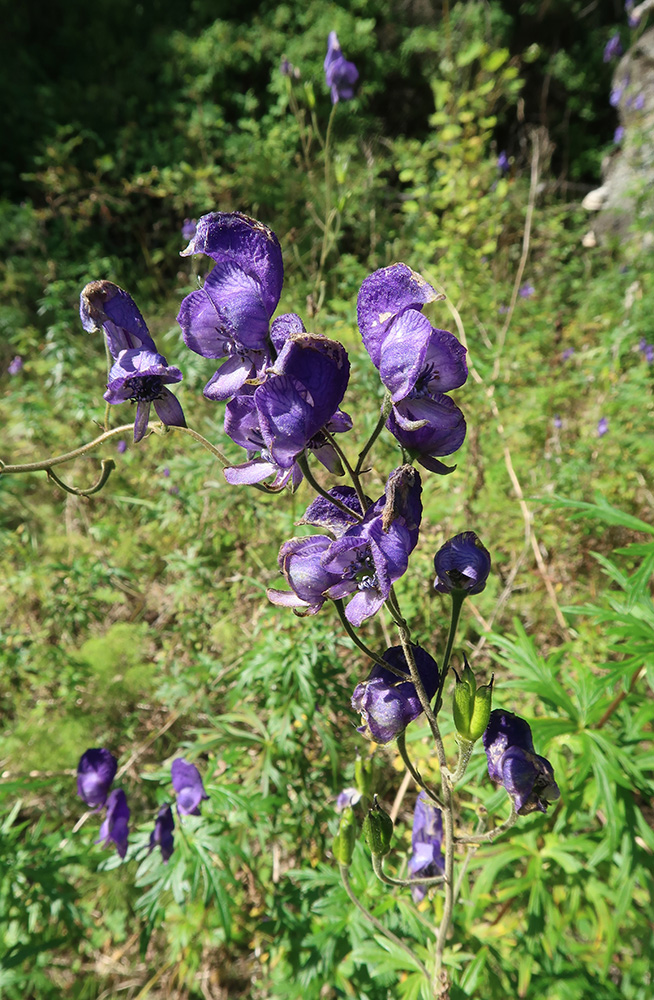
[(323, 514), (104, 306), (142, 419)]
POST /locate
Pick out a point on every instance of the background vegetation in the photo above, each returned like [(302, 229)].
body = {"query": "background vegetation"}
[(136, 619)]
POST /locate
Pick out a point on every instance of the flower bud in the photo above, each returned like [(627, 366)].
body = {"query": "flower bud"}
[(378, 830), (363, 776), (345, 839), (472, 706)]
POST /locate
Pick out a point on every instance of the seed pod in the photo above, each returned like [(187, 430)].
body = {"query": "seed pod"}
[(378, 830)]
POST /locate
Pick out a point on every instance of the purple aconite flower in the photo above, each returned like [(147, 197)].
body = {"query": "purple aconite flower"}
[(618, 135), (363, 561), (162, 835), (188, 785), (503, 164), (613, 48), (15, 365), (95, 773), (639, 102), (386, 704), (347, 798), (558, 423), (121, 446), (567, 354), (426, 859), (602, 426), (230, 316), (512, 762), (189, 227), (412, 357), (340, 74), (462, 564), (428, 427), (106, 307), (647, 351), (115, 826), (526, 291), (141, 377), (287, 413)]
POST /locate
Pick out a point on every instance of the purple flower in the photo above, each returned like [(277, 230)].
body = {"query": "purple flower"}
[(512, 762), (526, 291), (616, 93), (162, 835), (503, 164), (300, 560), (115, 826), (409, 353), (189, 227), (106, 307), (647, 350), (462, 564), (323, 514), (613, 48), (347, 798), (618, 135), (427, 427), (602, 426), (188, 785), (387, 705), (230, 316), (121, 446), (567, 354), (363, 561), (639, 103), (426, 859), (340, 74), (15, 365), (95, 772), (141, 377), (288, 411), (558, 423)]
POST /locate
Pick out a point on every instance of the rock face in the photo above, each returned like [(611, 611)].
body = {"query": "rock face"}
[(628, 173)]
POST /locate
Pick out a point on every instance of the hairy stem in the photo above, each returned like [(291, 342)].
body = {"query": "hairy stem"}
[(415, 774)]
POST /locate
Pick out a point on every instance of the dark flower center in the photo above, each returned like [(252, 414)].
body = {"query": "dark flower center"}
[(429, 373), (145, 388), (362, 569)]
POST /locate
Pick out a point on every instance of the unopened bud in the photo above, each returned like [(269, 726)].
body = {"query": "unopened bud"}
[(346, 838), (378, 829), (363, 776), (472, 706)]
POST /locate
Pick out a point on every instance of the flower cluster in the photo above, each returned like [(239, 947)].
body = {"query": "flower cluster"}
[(512, 762), (140, 374), (368, 553), (417, 363), (95, 774)]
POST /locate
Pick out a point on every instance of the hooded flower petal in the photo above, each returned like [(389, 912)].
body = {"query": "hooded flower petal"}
[(141, 376), (347, 798), (384, 295), (428, 427), (231, 237), (95, 773), (300, 562), (162, 835), (104, 306), (188, 786), (282, 327), (387, 705), (462, 564), (115, 827)]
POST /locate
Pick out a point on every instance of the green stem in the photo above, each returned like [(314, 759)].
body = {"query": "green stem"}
[(448, 905), (377, 924), (107, 465), (378, 868), (415, 774), (338, 604), (405, 639), (303, 462), (465, 752), (351, 472), (379, 426), (489, 837), (458, 598)]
